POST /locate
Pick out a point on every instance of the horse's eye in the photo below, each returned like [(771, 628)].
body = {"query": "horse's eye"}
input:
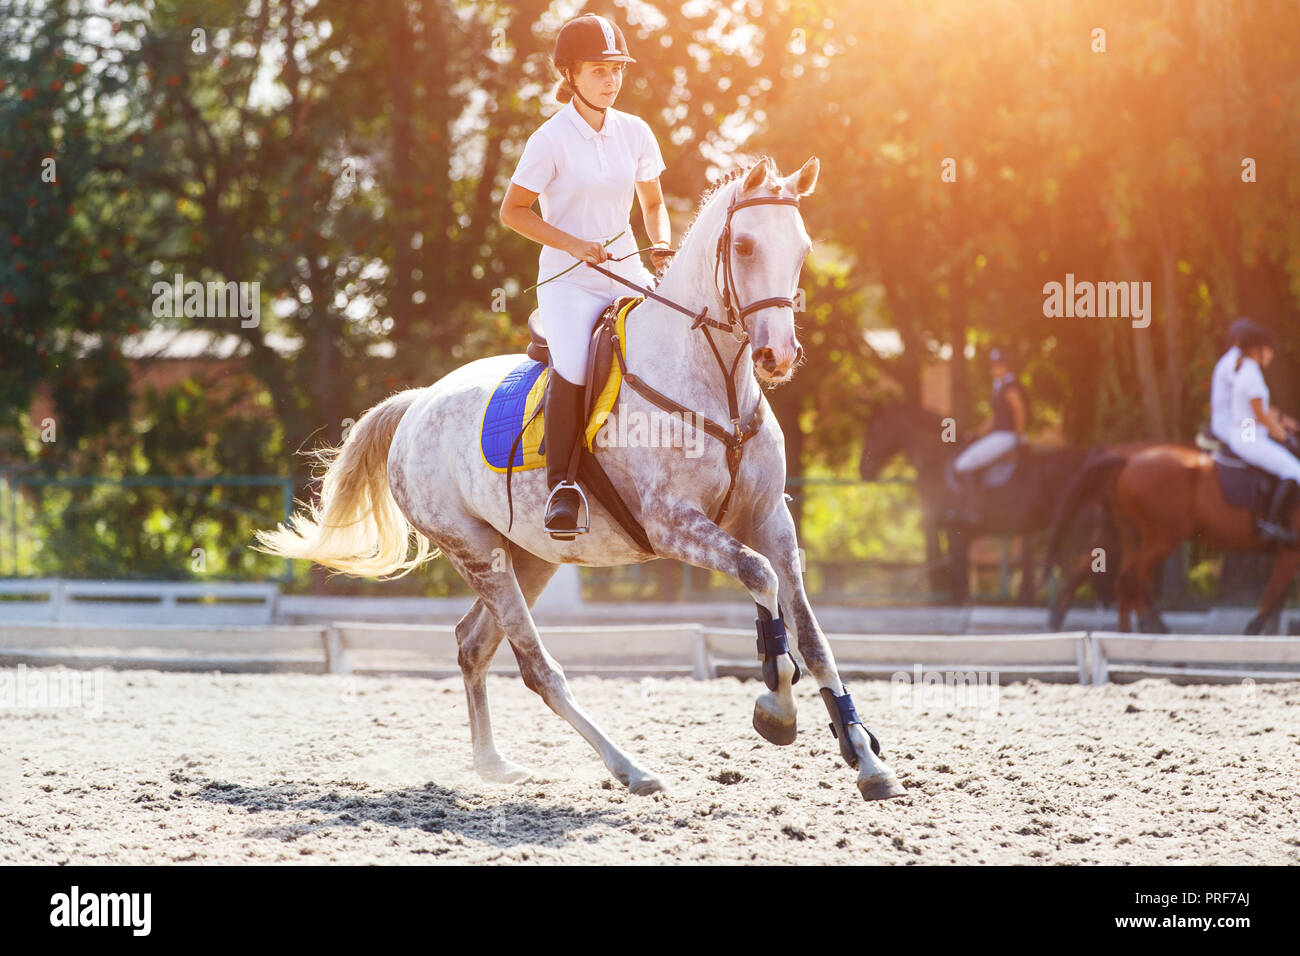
[(744, 247)]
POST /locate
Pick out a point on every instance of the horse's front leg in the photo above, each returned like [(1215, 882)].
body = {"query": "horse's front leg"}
[(687, 534), (774, 536)]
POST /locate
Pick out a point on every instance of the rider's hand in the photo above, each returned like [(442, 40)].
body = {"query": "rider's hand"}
[(660, 260), (587, 251)]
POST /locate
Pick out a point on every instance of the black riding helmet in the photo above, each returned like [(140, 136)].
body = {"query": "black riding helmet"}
[(1240, 327), (589, 37), (1256, 337)]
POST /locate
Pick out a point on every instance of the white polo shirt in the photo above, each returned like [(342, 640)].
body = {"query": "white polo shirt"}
[(586, 179), (1247, 384), (1222, 423)]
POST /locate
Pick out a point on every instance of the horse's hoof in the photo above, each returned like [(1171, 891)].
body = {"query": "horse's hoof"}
[(882, 786), (645, 784), (771, 727), (503, 771), (1256, 626)]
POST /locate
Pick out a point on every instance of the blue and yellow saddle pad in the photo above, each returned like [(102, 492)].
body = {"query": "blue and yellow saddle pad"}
[(516, 396)]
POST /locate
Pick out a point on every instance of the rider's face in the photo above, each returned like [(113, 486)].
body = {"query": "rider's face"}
[(599, 82), (1265, 356)]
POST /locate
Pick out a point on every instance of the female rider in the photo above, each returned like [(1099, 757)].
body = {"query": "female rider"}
[(1260, 435), (583, 163)]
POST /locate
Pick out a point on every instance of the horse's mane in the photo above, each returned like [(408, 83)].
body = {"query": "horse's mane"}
[(713, 189)]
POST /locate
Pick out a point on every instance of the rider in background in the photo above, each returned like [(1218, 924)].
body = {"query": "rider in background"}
[(584, 163), (1222, 423), (997, 437), (1259, 435)]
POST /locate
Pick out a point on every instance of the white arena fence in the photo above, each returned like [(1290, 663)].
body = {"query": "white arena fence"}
[(673, 650), (232, 626), (137, 602)]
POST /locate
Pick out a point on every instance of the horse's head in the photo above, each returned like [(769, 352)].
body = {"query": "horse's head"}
[(761, 249), (893, 428)]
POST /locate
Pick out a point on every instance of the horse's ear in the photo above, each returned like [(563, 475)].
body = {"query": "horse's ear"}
[(756, 176), (805, 180)]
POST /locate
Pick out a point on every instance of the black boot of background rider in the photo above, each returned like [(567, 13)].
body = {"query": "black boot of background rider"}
[(561, 420), (1277, 524)]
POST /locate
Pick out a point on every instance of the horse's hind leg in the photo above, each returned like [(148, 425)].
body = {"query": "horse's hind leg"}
[(1070, 585), (469, 548), (1284, 569), (1150, 562), (479, 636), (775, 538)]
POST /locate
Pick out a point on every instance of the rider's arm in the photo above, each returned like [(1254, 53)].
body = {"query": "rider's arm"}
[(517, 214), (1265, 417), (1018, 410), (654, 214)]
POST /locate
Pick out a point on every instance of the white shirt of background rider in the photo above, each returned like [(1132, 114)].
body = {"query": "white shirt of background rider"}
[(586, 181), (1248, 383), (1222, 419)]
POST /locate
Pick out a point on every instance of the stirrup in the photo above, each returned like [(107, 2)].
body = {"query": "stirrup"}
[(1276, 532), (567, 534)]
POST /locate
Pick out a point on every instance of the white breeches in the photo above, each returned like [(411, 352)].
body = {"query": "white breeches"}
[(1265, 453), (571, 307), (986, 450)]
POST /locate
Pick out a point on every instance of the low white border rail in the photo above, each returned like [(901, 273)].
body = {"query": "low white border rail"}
[(664, 650), (1173, 655), (138, 602), (165, 647), (1047, 655)]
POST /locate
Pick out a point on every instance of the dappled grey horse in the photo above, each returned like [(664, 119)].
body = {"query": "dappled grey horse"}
[(410, 469)]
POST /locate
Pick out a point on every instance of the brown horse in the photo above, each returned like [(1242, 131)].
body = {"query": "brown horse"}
[(1103, 535), (1161, 496)]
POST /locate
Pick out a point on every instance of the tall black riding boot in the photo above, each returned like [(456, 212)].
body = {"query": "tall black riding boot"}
[(1277, 523), (563, 425)]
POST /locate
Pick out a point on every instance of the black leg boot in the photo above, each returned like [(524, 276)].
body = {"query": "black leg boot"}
[(1277, 523), (562, 422)]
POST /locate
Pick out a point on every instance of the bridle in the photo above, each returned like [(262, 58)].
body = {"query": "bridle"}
[(735, 439), (728, 286)]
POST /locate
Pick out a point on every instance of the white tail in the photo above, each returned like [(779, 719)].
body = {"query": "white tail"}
[(357, 527)]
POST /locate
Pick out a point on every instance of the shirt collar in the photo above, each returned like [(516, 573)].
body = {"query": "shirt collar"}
[(584, 127)]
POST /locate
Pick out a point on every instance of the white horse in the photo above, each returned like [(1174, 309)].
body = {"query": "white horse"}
[(410, 467)]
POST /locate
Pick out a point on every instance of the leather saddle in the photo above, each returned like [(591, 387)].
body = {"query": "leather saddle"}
[(1241, 483), (993, 475), (599, 356)]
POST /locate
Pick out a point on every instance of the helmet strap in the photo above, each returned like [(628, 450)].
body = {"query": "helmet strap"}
[(574, 86)]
